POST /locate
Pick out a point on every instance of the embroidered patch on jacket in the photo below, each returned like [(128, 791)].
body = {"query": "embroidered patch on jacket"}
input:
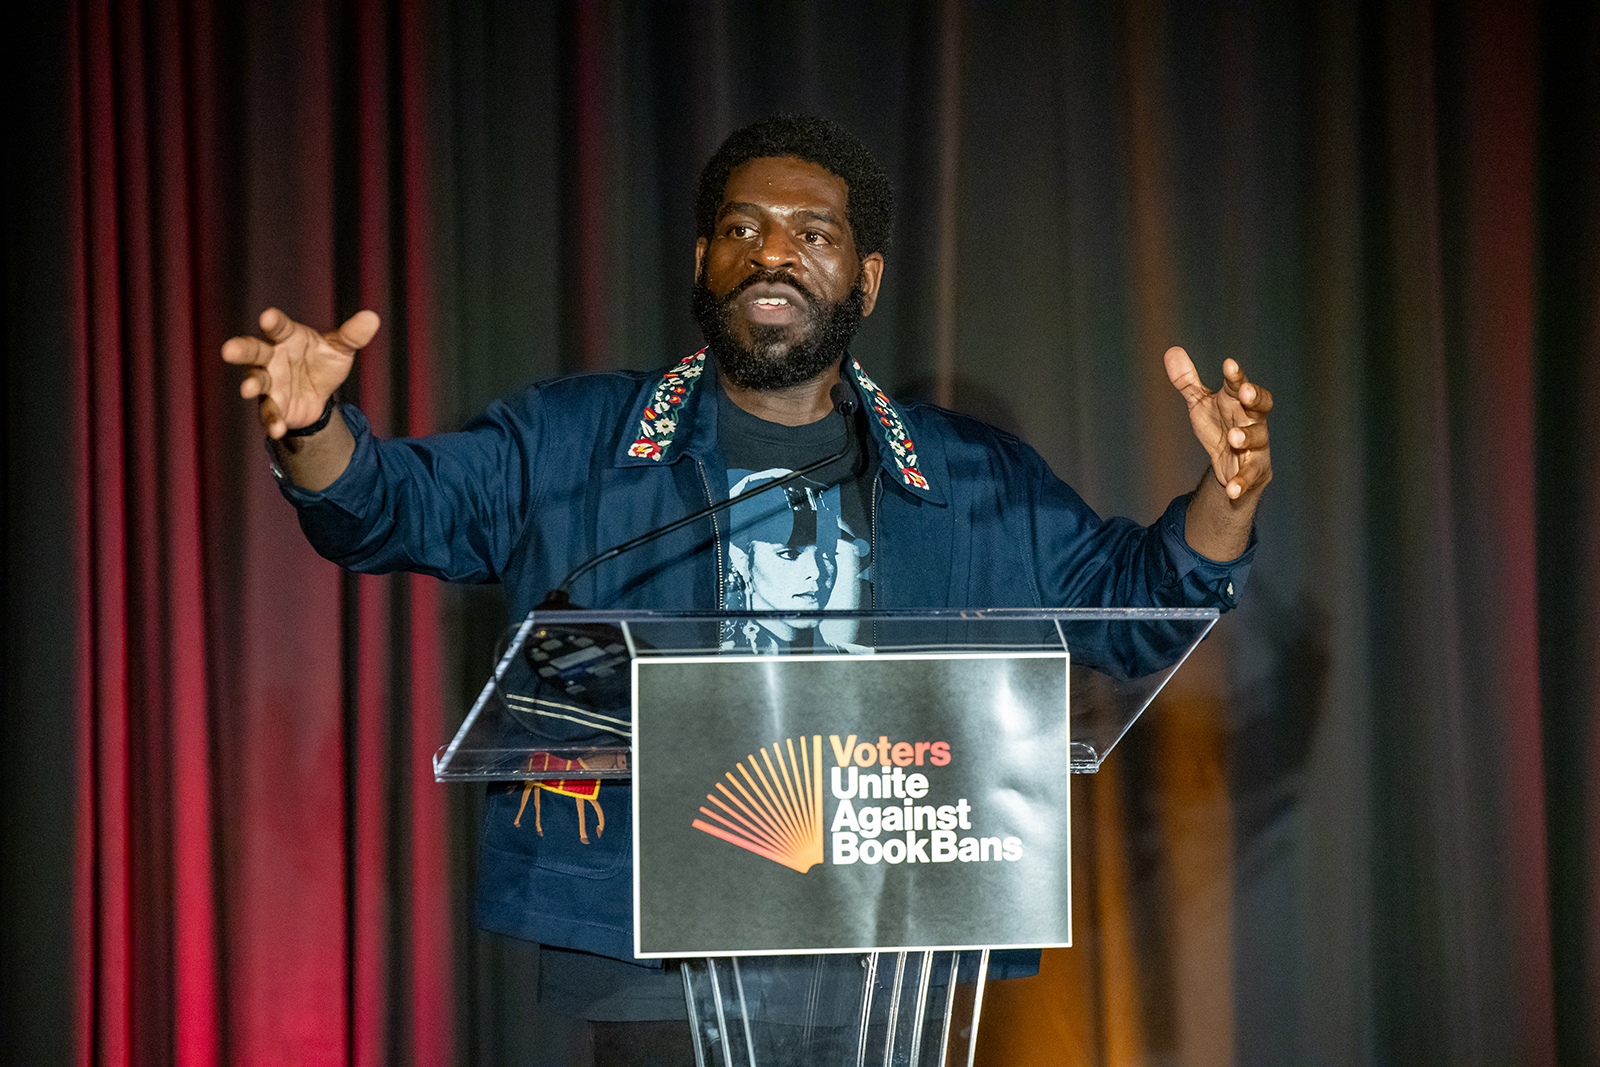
[(659, 423), (580, 789), (893, 430)]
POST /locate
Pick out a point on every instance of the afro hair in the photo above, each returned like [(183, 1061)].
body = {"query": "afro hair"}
[(869, 207)]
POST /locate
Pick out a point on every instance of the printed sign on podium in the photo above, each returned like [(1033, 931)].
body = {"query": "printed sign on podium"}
[(851, 803)]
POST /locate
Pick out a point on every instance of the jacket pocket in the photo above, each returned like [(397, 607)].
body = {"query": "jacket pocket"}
[(565, 834)]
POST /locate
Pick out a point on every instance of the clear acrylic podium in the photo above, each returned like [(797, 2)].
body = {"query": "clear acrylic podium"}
[(559, 705)]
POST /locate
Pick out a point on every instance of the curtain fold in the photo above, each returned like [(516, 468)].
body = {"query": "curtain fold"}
[(254, 776), (1498, 286)]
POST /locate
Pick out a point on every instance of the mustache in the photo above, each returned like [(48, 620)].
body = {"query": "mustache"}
[(771, 277)]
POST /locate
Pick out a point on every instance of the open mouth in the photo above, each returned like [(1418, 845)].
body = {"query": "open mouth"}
[(774, 303)]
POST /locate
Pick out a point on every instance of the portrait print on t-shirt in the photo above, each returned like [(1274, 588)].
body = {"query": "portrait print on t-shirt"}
[(791, 549)]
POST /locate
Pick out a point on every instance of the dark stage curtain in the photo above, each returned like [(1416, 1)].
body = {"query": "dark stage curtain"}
[(256, 875), (1360, 826)]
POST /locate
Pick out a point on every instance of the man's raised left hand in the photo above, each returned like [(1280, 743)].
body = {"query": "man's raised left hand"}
[(1231, 423)]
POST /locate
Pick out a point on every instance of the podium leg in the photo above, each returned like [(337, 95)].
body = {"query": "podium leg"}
[(900, 1009)]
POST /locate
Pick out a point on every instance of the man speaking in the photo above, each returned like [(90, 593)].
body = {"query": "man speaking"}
[(933, 509)]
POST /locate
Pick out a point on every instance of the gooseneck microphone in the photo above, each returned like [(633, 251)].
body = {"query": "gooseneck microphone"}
[(578, 686), (844, 402)]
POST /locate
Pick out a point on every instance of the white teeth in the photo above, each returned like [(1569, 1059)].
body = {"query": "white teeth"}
[(772, 301)]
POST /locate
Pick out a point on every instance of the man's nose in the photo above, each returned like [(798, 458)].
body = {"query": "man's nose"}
[(776, 249)]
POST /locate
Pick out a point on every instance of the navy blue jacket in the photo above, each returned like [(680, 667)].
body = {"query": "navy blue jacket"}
[(964, 516)]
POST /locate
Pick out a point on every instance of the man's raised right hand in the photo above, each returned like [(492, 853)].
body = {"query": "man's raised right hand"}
[(296, 369)]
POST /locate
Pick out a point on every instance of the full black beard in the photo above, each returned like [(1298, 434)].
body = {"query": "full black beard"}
[(772, 361)]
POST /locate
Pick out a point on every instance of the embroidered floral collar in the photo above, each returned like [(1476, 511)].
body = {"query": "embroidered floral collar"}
[(891, 429), (658, 423), (662, 417)]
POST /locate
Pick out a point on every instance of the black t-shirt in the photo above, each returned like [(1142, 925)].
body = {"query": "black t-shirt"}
[(805, 547)]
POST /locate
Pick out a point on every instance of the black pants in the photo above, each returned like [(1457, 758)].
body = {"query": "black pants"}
[(641, 1044)]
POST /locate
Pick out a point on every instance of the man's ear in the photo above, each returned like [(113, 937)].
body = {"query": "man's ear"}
[(871, 277), (699, 255)]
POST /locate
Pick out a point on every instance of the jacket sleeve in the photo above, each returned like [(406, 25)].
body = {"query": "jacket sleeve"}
[(450, 505), (1085, 561)]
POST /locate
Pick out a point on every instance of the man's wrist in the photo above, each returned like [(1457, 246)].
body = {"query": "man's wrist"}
[(321, 423), (1218, 526), (312, 462)]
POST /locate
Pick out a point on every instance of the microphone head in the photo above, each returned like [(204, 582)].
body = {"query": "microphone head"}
[(844, 399)]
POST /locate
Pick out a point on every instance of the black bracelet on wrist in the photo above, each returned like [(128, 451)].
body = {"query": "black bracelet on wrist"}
[(322, 423)]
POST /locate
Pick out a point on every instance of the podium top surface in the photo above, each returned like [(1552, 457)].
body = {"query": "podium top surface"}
[(998, 615), (560, 703)]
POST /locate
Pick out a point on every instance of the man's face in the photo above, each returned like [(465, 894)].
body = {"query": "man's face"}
[(789, 578), (779, 288)]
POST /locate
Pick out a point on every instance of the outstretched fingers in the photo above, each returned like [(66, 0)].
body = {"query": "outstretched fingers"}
[(272, 420), (1246, 438), (256, 383), (1253, 468), (275, 325), (292, 368), (1255, 399), (357, 332), (1251, 396), (246, 351), (1184, 378)]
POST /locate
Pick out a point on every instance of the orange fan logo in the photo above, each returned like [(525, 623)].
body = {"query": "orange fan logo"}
[(774, 807)]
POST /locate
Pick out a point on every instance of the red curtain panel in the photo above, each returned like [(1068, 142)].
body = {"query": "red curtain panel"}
[(261, 862)]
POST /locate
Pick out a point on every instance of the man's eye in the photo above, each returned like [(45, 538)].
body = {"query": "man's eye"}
[(814, 237), (740, 231)]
